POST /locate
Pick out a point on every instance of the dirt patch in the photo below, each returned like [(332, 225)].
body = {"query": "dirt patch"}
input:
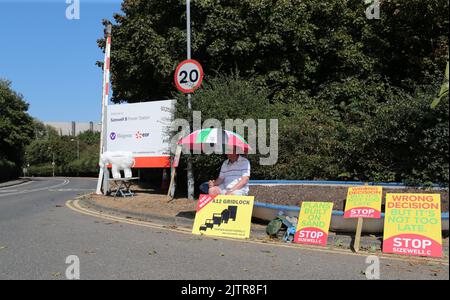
[(296, 194), (149, 201), (146, 203)]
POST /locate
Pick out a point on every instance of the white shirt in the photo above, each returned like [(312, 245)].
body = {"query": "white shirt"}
[(232, 173)]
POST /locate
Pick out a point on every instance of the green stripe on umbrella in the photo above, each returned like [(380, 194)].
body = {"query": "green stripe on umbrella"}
[(238, 136), (211, 136), (202, 135)]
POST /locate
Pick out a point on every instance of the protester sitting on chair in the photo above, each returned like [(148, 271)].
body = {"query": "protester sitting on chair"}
[(233, 178)]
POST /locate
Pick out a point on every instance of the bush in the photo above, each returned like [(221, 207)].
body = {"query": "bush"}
[(406, 140), (41, 170), (87, 166), (16, 129), (383, 134), (49, 145), (8, 170), (224, 98)]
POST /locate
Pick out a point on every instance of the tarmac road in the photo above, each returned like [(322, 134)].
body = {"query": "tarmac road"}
[(38, 232)]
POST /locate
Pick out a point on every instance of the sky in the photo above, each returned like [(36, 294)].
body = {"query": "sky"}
[(50, 59)]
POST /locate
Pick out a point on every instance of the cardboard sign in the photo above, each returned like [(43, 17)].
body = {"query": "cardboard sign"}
[(313, 223), (363, 202), (412, 225), (223, 215)]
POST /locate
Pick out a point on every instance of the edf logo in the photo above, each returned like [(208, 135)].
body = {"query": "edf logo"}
[(139, 135)]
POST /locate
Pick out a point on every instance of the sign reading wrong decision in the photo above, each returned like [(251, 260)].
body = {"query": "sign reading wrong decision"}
[(412, 225)]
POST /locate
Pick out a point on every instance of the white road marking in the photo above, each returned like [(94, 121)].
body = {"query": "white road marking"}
[(65, 182), (20, 184)]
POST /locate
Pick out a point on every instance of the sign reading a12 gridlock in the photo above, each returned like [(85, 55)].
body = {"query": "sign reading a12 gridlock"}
[(224, 215)]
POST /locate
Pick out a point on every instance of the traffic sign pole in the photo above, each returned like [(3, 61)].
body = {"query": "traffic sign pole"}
[(188, 28), (190, 172), (188, 77)]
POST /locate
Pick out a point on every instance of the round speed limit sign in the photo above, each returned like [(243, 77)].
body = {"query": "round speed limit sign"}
[(188, 76)]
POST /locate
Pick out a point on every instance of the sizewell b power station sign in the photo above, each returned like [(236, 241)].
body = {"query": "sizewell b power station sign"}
[(143, 129)]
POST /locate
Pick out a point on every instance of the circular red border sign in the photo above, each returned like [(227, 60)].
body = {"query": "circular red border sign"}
[(199, 82)]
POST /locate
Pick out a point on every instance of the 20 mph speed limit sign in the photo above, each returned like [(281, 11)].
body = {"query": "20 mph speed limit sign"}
[(188, 76)]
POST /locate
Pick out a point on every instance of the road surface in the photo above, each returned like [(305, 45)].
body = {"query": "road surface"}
[(38, 232)]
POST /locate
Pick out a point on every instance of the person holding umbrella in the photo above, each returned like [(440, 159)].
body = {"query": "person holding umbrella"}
[(235, 171), (233, 178)]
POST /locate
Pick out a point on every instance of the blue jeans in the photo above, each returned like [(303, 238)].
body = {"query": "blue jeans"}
[(204, 188)]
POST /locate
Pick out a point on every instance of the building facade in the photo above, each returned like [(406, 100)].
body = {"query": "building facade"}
[(74, 128)]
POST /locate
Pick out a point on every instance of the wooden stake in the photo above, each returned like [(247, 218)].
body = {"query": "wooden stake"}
[(358, 234), (169, 197), (174, 166), (358, 231)]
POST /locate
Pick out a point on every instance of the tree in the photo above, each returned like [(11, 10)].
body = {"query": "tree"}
[(48, 145), (286, 45), (443, 93), (335, 79), (235, 98), (406, 140), (16, 130)]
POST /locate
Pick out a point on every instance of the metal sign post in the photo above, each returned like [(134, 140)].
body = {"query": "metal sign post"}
[(188, 77), (190, 173)]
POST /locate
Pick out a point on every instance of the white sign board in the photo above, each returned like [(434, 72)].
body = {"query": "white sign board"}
[(143, 129)]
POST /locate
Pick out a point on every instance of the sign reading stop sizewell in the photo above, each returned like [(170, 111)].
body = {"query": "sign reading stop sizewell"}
[(188, 76)]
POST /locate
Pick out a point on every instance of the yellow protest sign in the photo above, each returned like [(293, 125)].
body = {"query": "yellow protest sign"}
[(224, 215), (313, 223), (412, 224), (363, 202)]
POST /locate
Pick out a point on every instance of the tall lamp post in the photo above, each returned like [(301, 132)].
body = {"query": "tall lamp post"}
[(78, 147), (78, 151), (25, 169), (53, 161)]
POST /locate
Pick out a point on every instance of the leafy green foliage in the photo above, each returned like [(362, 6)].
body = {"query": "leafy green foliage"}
[(399, 140), (286, 45), (443, 93), (8, 169), (235, 98), (16, 129), (406, 141), (350, 93), (63, 149)]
